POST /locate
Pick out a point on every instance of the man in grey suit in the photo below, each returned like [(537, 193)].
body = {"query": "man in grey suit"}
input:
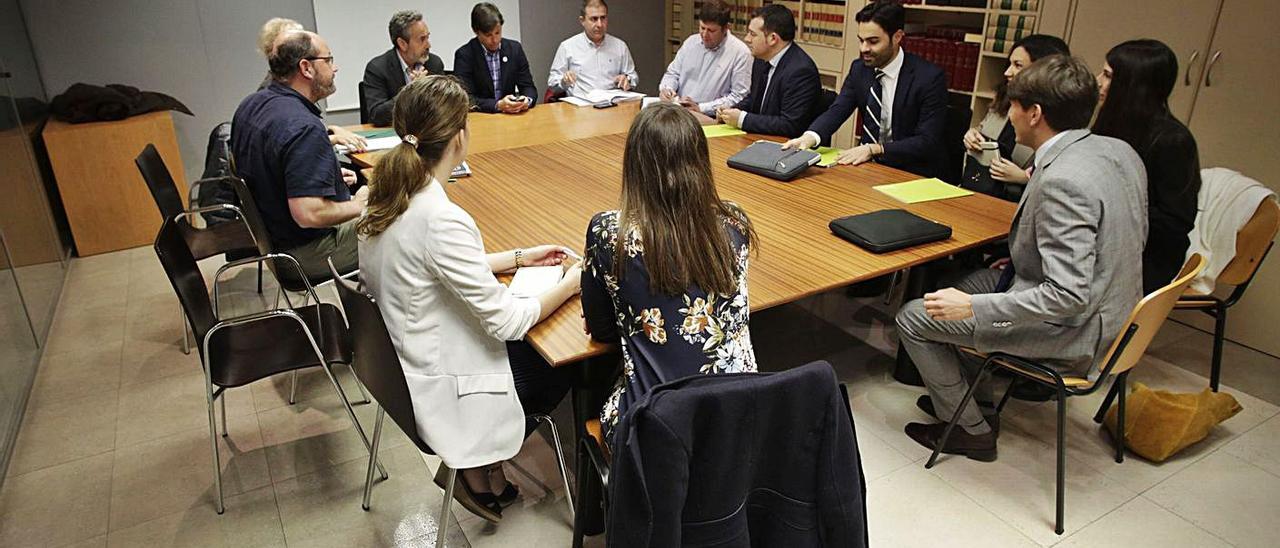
[(1074, 274)]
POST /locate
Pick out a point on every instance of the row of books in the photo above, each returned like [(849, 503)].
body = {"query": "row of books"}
[(959, 59), (1004, 5), (677, 26), (740, 14), (823, 21), (1003, 30)]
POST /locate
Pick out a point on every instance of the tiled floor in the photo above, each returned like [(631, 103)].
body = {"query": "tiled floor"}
[(114, 448)]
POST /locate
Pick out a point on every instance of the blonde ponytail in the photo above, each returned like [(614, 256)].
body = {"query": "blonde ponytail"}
[(428, 114)]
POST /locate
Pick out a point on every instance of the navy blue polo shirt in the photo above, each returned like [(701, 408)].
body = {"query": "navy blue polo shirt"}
[(282, 151)]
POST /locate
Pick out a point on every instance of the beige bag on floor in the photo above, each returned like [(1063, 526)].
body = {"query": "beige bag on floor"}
[(1160, 423)]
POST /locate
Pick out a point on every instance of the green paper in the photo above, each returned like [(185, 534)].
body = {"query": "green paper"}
[(922, 190), (828, 156), (721, 130), (376, 133)]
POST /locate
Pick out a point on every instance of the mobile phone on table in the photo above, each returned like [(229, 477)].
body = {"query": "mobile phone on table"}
[(605, 104)]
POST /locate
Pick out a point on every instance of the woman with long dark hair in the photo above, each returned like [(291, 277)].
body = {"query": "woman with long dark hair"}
[(666, 273), (456, 329), (1011, 167), (1134, 87)]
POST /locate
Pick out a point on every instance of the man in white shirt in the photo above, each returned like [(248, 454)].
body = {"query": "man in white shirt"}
[(712, 68), (594, 59)]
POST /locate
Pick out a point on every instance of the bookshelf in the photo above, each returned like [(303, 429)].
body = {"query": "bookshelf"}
[(951, 33)]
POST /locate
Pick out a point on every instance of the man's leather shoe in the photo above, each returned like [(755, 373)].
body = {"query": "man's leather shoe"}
[(980, 447), (925, 403)]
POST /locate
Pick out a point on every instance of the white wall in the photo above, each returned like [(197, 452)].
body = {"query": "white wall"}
[(202, 52)]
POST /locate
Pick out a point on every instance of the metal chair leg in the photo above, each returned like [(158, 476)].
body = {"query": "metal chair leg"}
[(213, 443), (359, 386), (186, 339), (442, 527), (1062, 456), (352, 414), (1121, 381), (222, 404), (293, 385), (1106, 402), (373, 454), (1219, 333), (955, 418), (564, 474), (259, 278)]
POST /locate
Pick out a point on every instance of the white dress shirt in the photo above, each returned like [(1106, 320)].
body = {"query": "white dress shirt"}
[(773, 62), (718, 77), (596, 65), (449, 318), (888, 88)]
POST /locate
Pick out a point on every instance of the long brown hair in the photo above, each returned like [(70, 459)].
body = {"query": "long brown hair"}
[(432, 110), (670, 199)]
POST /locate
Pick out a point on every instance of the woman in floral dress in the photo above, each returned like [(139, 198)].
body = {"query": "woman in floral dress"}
[(666, 273)]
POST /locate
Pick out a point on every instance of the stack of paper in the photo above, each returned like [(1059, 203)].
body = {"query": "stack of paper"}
[(603, 96), (531, 281), (922, 190), (721, 130), (374, 144)]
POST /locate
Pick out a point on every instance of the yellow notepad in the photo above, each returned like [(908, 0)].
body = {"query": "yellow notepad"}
[(922, 190), (828, 156), (721, 130)]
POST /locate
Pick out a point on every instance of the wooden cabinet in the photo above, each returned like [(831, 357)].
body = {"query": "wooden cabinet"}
[(1234, 119), (1185, 25), (107, 203)]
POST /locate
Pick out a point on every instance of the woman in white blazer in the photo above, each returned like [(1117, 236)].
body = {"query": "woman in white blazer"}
[(457, 329)]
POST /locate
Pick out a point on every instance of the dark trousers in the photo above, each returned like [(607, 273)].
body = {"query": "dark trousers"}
[(539, 386)]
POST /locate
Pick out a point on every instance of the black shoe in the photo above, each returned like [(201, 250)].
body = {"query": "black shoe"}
[(1032, 391), (980, 448), (484, 505), (508, 495), (925, 403)]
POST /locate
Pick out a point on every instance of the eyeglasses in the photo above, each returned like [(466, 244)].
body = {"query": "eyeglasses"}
[(327, 59)]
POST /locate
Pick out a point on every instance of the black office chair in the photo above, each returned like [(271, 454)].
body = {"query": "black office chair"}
[(234, 239), (364, 103), (378, 366), (239, 350)]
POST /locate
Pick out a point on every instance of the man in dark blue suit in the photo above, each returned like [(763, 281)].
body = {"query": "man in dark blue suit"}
[(785, 92), (902, 100), (494, 69)]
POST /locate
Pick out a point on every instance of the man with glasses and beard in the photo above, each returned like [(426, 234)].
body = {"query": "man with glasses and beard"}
[(282, 152), (901, 97)]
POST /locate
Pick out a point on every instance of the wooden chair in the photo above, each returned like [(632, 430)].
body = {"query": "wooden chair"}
[(1253, 242), (1144, 322)]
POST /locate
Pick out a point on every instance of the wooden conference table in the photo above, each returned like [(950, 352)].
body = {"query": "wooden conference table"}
[(540, 176)]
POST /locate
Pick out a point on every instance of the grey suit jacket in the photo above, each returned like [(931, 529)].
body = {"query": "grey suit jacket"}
[(1076, 247)]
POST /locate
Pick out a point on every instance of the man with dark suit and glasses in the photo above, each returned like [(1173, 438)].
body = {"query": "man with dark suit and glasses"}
[(785, 90), (901, 99), (410, 57), (494, 69)]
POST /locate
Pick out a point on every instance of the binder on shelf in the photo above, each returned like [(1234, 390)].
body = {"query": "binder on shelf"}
[(1015, 5)]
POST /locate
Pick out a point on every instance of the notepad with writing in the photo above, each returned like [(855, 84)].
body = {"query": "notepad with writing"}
[(531, 281), (721, 130), (922, 190)]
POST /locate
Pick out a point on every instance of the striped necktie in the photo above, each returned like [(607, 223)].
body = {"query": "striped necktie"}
[(871, 130)]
